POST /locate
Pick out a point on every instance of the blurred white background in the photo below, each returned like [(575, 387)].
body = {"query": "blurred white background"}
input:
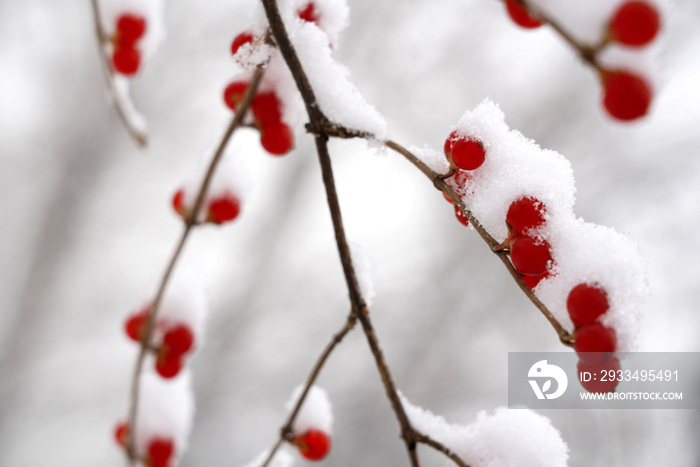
[(87, 230)]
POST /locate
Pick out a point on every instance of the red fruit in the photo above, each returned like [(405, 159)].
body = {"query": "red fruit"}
[(530, 257), (178, 202), (594, 342), (521, 16), (179, 339), (276, 138), (465, 153), (223, 209), (266, 108), (130, 28), (313, 445), (160, 451), (601, 379), (635, 24), (524, 214), (586, 302), (168, 364), (135, 325), (121, 432), (626, 96), (126, 60), (241, 39), (309, 13), (532, 281), (234, 92), (464, 220)]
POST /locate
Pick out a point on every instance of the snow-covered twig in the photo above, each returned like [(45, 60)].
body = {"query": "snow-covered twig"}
[(132, 120)]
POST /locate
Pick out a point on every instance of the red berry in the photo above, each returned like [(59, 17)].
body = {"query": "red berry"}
[(586, 302), (223, 209), (465, 153), (179, 339), (178, 202), (309, 13), (532, 281), (313, 445), (464, 220), (266, 108), (521, 16), (121, 432), (234, 92), (276, 138), (160, 450), (635, 24), (594, 342), (240, 40), (168, 364), (130, 28), (530, 257), (524, 214), (626, 96), (136, 325), (126, 60), (601, 380)]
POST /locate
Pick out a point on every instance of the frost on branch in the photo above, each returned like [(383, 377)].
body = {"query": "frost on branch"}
[(363, 269), (514, 168), (507, 438)]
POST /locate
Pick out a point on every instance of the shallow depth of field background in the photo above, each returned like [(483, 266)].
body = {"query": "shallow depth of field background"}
[(87, 229)]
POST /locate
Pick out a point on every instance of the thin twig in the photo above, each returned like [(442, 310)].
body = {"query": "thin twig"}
[(317, 119), (139, 135), (190, 222), (286, 432), (427, 440)]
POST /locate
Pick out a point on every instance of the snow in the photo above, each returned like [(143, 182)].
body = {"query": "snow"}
[(361, 262), (231, 176), (316, 412), (184, 302), (133, 116), (506, 438), (166, 409), (516, 166)]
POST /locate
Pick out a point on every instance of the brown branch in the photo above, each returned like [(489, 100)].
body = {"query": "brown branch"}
[(286, 432), (139, 135), (427, 440), (438, 181), (190, 222), (588, 53), (359, 308)]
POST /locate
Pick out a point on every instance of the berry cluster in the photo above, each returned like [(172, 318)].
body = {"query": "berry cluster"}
[(126, 57), (160, 450), (626, 95), (464, 154), (177, 341), (594, 343), (313, 444), (219, 209)]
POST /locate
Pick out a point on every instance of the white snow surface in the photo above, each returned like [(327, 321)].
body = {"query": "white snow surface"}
[(506, 438), (152, 10), (316, 412), (282, 458), (121, 87), (516, 166), (166, 409)]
